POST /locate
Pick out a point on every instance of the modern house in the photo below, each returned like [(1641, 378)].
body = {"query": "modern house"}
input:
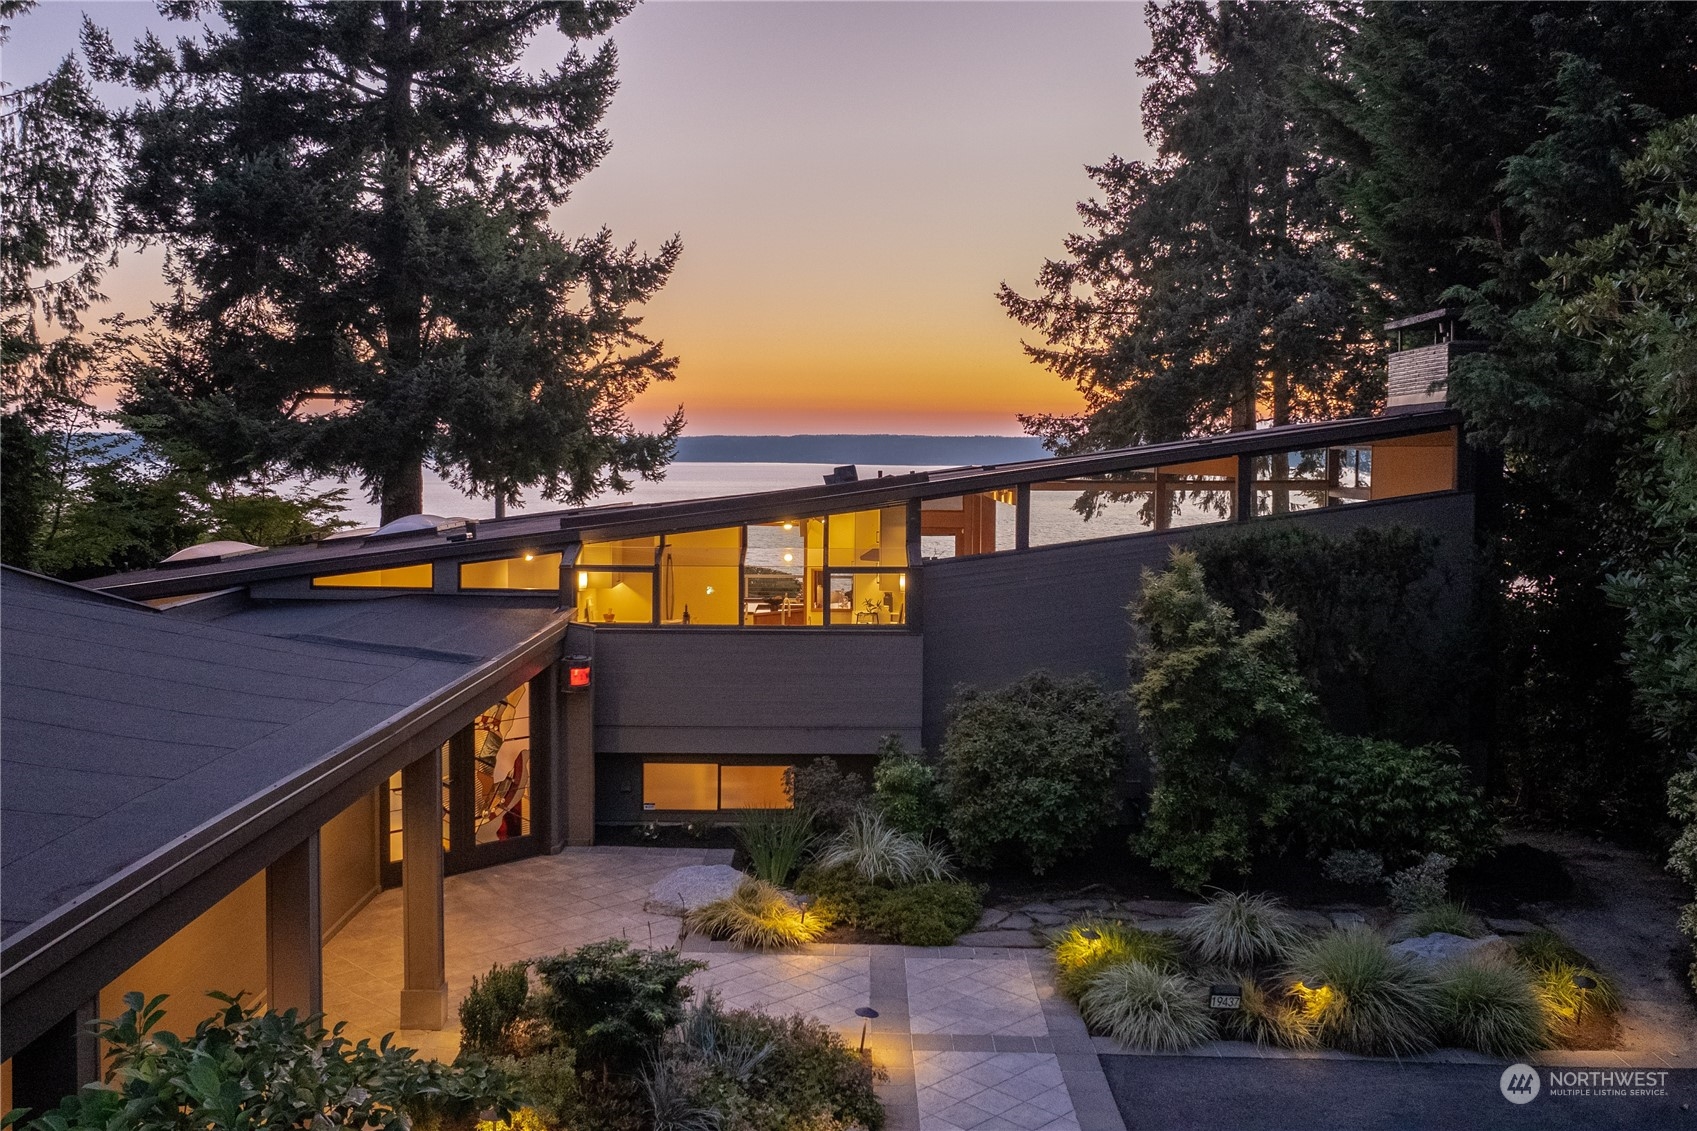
[(243, 745)]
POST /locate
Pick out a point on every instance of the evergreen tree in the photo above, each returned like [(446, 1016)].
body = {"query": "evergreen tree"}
[(355, 199), (1474, 143), (1208, 287), (58, 176)]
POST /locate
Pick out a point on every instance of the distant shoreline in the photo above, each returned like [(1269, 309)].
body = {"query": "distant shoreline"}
[(927, 451)]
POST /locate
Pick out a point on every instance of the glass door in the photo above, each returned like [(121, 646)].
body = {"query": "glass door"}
[(487, 785)]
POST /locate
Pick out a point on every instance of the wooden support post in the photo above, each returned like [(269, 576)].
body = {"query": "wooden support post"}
[(294, 931), (1243, 508), (577, 769), (1022, 517), (424, 983)]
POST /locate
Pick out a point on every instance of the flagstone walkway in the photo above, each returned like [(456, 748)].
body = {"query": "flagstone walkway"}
[(973, 1038)]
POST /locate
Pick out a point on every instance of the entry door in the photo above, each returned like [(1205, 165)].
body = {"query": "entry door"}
[(489, 781), (492, 778)]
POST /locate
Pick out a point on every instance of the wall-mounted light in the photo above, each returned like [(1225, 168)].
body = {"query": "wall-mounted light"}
[(577, 673), (582, 579), (789, 557), (709, 590), (529, 557), (789, 526)]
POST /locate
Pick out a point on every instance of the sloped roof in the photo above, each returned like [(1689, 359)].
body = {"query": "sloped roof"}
[(129, 732)]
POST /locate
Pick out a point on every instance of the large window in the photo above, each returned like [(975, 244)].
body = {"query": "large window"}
[(980, 523), (1131, 502), (527, 571), (709, 786), (616, 581), (1289, 482), (699, 574), (422, 576)]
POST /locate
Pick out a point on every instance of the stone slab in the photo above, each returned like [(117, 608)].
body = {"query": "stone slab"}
[(1023, 939), (685, 889)]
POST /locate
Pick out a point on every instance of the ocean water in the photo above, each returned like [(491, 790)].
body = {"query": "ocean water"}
[(682, 481)]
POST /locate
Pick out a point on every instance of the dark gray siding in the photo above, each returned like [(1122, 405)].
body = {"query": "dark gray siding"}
[(990, 620), (753, 691)]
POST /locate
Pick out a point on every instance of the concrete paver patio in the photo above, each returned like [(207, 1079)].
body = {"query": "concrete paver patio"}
[(973, 1039)]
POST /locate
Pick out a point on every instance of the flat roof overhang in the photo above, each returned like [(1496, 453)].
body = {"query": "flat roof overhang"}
[(53, 965)]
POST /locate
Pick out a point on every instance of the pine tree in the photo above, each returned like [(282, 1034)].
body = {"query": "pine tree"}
[(1208, 287), (355, 199)]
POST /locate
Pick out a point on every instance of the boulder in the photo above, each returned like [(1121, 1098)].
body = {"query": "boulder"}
[(1316, 921), (1440, 948), (685, 889), (1347, 920)]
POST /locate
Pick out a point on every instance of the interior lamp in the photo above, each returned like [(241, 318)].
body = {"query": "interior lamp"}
[(901, 579), (582, 579)]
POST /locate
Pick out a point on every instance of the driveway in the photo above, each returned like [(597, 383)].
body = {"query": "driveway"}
[(1178, 1093)]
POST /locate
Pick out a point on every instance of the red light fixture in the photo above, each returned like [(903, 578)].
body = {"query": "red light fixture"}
[(577, 673)]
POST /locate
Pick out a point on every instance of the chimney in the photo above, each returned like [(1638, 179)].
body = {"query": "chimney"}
[(1423, 346)]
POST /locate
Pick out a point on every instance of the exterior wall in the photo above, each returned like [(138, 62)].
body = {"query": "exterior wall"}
[(745, 696), (991, 620), (349, 863), (223, 949)]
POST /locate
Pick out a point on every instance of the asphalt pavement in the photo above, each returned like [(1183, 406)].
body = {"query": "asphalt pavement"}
[(1178, 1093)]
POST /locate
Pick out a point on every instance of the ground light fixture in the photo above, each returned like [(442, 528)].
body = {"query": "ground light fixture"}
[(866, 1013), (805, 902), (1584, 983), (1090, 934)]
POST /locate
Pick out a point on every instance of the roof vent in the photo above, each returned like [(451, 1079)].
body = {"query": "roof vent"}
[(211, 552), (418, 524)]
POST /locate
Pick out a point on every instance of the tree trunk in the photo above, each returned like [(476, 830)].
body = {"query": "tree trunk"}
[(1281, 397), (403, 493)]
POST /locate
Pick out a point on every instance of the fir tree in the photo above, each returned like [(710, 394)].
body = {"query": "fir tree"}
[(1208, 287), (355, 201)]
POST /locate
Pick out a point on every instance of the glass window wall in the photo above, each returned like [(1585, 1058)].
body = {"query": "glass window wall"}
[(616, 581), (979, 523), (706, 786), (421, 576), (699, 574), (527, 571)]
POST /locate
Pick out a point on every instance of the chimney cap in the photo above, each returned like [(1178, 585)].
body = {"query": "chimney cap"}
[(1430, 318)]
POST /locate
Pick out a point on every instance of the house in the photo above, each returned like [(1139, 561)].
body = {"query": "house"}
[(243, 745)]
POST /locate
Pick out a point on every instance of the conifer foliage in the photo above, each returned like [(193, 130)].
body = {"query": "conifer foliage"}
[(1207, 288), (355, 199)]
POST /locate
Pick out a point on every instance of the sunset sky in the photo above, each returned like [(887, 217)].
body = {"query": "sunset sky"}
[(851, 182)]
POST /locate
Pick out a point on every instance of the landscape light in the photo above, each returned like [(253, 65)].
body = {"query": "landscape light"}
[(1090, 934), (867, 1013)]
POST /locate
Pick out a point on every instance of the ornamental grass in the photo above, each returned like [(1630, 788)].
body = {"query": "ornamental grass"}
[(757, 916)]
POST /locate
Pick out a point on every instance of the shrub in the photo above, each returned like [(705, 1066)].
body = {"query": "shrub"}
[(548, 1082), (494, 1004), (925, 914), (1398, 801), (1223, 714), (807, 1078), (1239, 930), (1446, 916), (1554, 966), (1354, 867), (777, 841), (1368, 634), (1268, 1018), (1682, 857), (877, 851), (825, 792), (1078, 959), (758, 916), (1422, 885), (1146, 1008), (904, 788), (242, 1068), (1490, 1006), (1361, 998), (1031, 771), (612, 1004)]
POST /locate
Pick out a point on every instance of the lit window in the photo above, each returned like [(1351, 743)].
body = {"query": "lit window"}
[(528, 571), (752, 787), (396, 577), (680, 785)]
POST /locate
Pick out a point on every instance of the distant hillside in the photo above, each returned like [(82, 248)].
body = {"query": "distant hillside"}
[(887, 451)]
